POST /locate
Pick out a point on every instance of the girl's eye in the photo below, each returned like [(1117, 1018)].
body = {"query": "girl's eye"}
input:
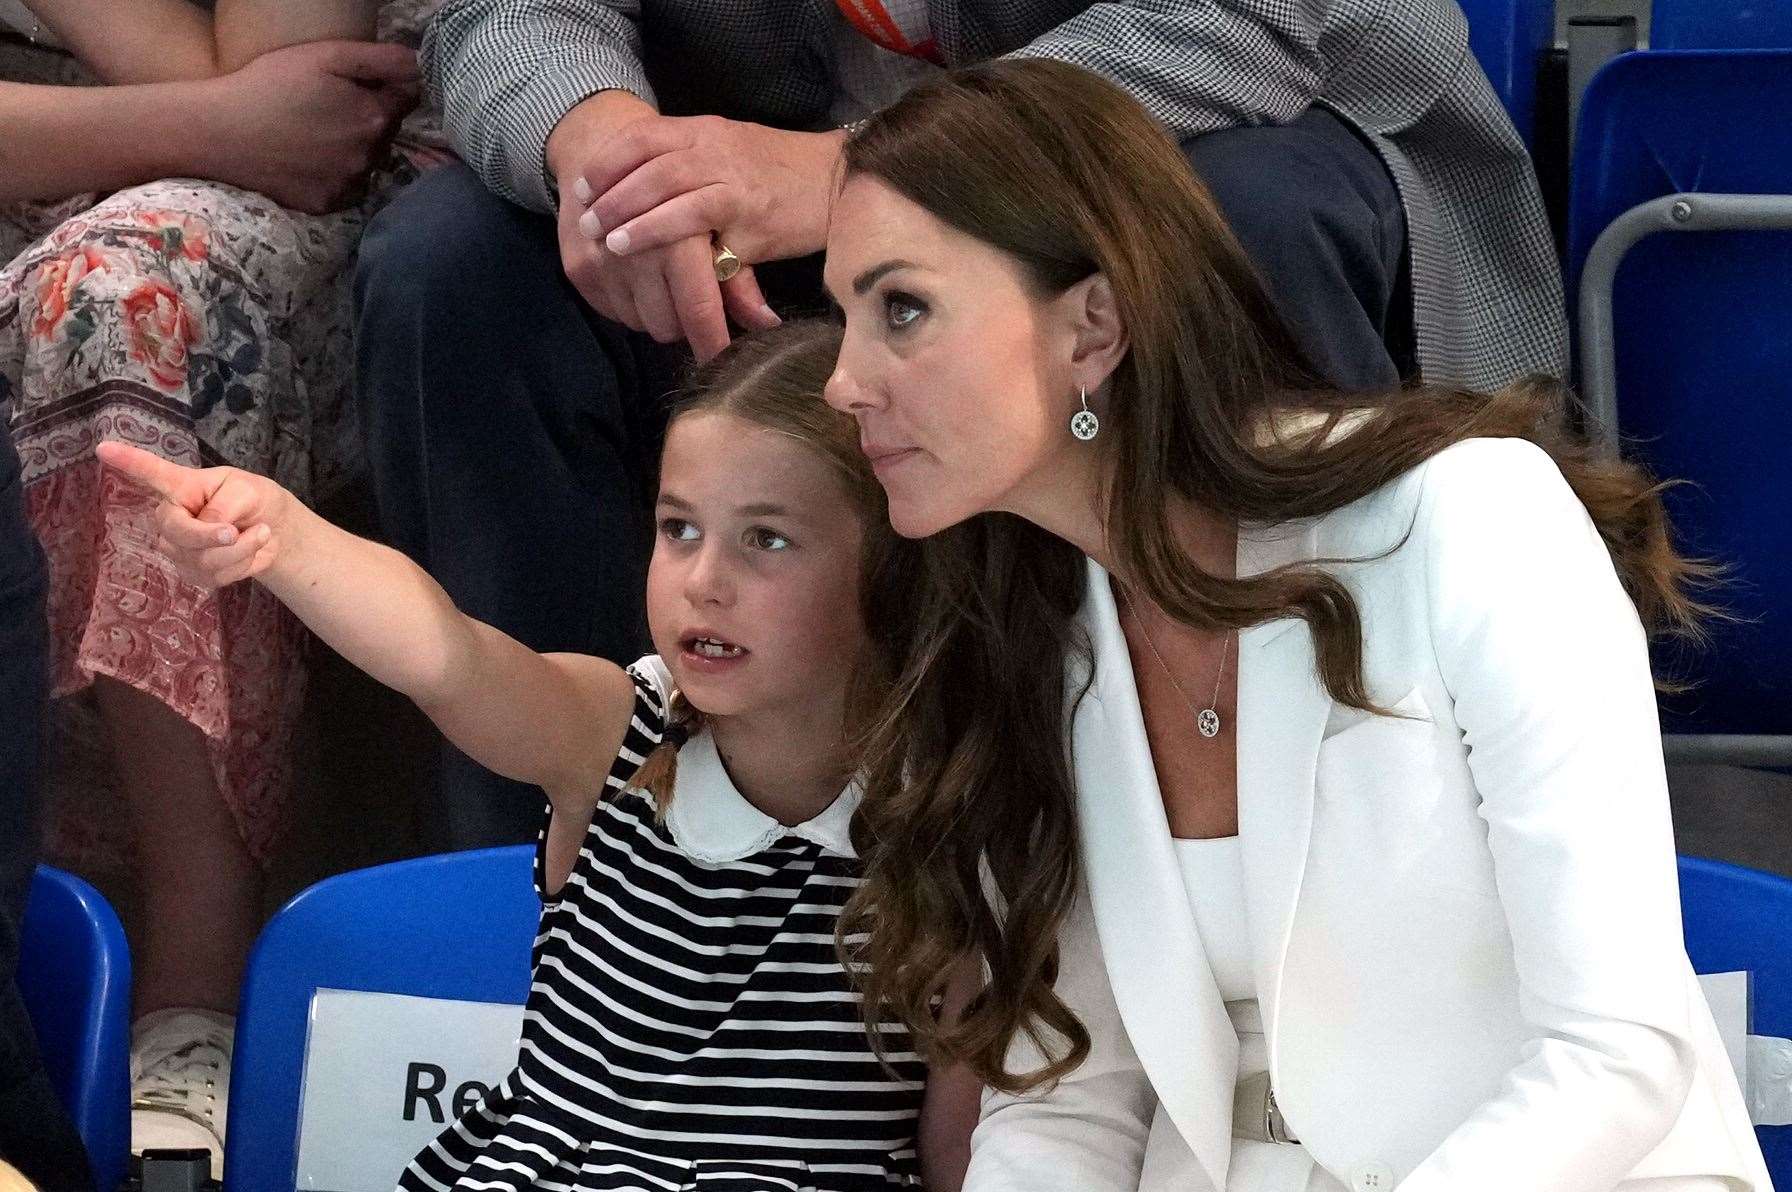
[(761, 538), (678, 529), (901, 311)]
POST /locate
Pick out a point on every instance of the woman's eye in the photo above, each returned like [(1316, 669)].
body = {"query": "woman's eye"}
[(678, 529), (902, 310), (761, 538)]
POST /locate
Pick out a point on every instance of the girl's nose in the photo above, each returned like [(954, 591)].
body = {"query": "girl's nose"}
[(707, 581)]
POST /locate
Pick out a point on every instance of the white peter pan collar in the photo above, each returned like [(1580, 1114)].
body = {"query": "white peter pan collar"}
[(712, 821)]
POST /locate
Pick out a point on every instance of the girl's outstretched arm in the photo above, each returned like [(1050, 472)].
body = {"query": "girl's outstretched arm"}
[(555, 720)]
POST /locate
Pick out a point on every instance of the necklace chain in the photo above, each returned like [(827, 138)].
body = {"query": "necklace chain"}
[(1207, 720)]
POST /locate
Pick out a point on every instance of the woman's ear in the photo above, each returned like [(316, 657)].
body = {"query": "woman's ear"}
[(1099, 334)]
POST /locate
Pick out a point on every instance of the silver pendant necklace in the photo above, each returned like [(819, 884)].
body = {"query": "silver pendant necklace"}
[(1207, 720)]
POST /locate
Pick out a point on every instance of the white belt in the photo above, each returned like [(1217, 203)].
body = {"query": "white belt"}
[(1255, 1116)]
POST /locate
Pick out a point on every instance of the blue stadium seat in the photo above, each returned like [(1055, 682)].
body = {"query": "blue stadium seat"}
[(1720, 25), (1740, 920), (1686, 342), (1507, 37), (75, 978), (458, 926)]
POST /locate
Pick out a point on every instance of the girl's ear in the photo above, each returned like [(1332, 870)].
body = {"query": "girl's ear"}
[(1099, 335)]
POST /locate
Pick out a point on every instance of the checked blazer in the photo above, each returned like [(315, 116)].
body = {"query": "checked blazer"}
[(1487, 289)]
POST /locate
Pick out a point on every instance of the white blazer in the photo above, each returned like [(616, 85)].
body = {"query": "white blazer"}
[(1465, 921)]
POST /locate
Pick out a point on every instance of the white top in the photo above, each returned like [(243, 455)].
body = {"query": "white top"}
[(1213, 871)]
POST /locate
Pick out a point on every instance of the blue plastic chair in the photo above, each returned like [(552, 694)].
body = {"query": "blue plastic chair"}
[(457, 926), (1740, 920), (1720, 24), (75, 980), (1686, 347), (1507, 38)]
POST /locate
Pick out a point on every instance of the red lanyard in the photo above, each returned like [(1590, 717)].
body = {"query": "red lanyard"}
[(897, 25)]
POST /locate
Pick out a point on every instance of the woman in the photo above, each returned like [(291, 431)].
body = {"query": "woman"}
[(205, 318), (1359, 835)]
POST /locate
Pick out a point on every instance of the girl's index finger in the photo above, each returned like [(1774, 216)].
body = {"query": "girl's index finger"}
[(167, 480)]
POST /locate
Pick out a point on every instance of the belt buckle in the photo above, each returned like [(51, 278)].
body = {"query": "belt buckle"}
[(1255, 1114)]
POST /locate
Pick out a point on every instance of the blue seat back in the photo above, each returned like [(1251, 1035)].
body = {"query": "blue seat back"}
[(1740, 920), (457, 926), (1720, 24), (1507, 37), (1704, 344), (75, 980)]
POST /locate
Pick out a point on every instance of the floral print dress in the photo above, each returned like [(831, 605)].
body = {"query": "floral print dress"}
[(211, 326)]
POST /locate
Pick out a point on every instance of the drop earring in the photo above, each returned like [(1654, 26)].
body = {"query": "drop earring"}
[(1084, 424)]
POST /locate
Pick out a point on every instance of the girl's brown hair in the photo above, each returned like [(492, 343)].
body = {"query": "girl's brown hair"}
[(774, 379), (967, 827)]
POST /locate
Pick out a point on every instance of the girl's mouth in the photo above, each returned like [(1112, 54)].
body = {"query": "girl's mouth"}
[(706, 654), (713, 647)]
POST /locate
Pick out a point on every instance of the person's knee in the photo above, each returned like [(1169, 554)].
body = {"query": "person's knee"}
[(1319, 216), (1289, 196)]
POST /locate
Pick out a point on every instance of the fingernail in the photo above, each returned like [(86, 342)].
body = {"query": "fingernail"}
[(770, 314), (588, 224), (225, 535), (581, 190), (617, 242)]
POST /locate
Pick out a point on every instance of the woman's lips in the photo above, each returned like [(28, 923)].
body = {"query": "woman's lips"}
[(884, 459)]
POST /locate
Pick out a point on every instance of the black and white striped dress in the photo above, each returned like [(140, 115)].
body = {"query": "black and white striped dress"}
[(690, 1025)]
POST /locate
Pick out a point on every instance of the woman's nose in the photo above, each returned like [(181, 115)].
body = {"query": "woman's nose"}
[(844, 392)]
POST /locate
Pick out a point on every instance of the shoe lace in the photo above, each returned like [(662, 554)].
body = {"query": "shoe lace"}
[(174, 1078)]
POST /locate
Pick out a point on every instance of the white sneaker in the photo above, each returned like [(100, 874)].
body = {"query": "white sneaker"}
[(180, 1081)]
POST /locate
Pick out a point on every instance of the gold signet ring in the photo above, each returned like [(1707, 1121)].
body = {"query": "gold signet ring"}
[(727, 264)]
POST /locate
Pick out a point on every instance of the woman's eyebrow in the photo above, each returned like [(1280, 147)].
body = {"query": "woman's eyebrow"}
[(873, 275)]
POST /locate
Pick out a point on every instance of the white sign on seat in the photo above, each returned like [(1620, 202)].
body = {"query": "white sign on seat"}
[(1763, 1063), (384, 1073)]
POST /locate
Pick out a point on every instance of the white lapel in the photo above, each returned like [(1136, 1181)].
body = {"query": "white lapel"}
[(1162, 982), (1282, 709)]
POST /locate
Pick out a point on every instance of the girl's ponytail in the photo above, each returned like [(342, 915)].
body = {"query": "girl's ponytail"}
[(658, 775)]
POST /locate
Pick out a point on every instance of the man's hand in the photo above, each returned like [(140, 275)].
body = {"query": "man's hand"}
[(304, 124), (763, 189), (670, 290)]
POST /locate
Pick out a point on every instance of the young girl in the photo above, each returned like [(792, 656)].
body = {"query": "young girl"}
[(690, 1024)]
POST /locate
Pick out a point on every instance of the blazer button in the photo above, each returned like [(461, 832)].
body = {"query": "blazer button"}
[(1372, 1177)]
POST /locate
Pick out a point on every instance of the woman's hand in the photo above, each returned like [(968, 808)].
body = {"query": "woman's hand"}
[(303, 125), (218, 525)]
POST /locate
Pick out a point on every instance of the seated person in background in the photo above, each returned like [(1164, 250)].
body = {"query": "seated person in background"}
[(204, 319), (691, 1018), (35, 1133), (512, 361)]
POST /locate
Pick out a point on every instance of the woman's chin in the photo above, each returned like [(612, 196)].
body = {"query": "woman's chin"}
[(919, 521)]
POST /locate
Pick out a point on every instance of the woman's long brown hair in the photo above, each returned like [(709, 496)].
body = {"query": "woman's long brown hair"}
[(967, 828)]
